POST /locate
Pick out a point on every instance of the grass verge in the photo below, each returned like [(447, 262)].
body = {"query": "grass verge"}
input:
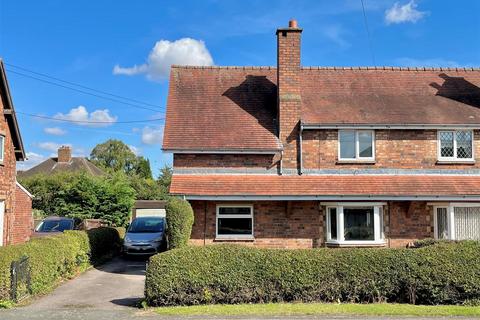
[(285, 309)]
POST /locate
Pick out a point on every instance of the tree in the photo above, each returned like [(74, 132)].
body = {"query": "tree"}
[(142, 168), (80, 195), (165, 179), (114, 155)]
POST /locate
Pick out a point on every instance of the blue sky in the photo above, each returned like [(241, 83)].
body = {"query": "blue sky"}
[(117, 47)]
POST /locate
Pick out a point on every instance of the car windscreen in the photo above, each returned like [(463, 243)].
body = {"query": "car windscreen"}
[(55, 226), (146, 225)]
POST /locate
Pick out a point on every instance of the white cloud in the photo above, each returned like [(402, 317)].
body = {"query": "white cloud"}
[(97, 118), (152, 135), (51, 146), (136, 150), (406, 13), (432, 62), (56, 131), (32, 160), (336, 33), (185, 51)]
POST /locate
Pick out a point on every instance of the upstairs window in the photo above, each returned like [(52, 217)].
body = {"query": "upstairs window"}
[(455, 145), (356, 145)]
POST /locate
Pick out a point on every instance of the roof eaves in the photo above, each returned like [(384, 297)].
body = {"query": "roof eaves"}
[(11, 117)]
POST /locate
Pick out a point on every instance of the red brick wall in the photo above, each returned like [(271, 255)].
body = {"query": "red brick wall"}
[(224, 161), (302, 225), (393, 149), (289, 93), (22, 224), (408, 221), (7, 176), (275, 226)]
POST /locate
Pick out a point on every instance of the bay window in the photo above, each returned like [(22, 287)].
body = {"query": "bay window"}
[(355, 223), (356, 145), (457, 221), (455, 145), (234, 221)]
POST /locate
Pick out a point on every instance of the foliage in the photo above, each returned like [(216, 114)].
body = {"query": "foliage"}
[(57, 257), (80, 195), (165, 179), (147, 189), (179, 222), (115, 156), (445, 273), (142, 168), (429, 242)]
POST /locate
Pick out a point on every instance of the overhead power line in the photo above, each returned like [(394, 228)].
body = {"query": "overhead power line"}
[(370, 42), (87, 121), (83, 91), (82, 86)]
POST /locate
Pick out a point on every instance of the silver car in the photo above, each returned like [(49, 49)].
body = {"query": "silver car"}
[(145, 236)]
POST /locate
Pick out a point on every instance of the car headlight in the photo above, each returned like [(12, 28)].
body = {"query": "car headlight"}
[(127, 240)]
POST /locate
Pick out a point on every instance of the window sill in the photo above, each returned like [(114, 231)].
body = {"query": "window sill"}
[(234, 238), (455, 162), (353, 161), (356, 244)]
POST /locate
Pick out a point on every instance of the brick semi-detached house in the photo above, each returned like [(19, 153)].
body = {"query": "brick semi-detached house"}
[(16, 220), (301, 157)]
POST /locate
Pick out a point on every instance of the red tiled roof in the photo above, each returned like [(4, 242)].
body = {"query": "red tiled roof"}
[(220, 108), (325, 185), (231, 108), (390, 96)]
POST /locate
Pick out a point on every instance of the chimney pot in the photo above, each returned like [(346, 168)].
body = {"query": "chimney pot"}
[(293, 24), (64, 154)]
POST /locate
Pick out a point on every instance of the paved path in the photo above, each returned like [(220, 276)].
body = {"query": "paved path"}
[(111, 292)]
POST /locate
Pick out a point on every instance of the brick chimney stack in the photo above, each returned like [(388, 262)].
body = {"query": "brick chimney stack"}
[(289, 93), (64, 154)]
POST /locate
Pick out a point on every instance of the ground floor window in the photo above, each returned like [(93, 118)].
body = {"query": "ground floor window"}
[(457, 221), (234, 221), (355, 223)]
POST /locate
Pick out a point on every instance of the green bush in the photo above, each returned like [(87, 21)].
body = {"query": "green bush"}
[(57, 257), (447, 273), (179, 222)]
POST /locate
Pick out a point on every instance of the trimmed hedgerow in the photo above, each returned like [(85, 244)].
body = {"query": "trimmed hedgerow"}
[(179, 215), (58, 257), (446, 273)]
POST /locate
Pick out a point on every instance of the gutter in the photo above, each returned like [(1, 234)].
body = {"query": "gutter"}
[(389, 126), (448, 198)]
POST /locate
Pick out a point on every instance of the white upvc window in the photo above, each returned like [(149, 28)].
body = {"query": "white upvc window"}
[(457, 221), (356, 145), (2, 148), (355, 223), (234, 221), (455, 145)]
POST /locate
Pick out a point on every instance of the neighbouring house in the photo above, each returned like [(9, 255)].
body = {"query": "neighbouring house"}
[(64, 162), (16, 220), (300, 157)]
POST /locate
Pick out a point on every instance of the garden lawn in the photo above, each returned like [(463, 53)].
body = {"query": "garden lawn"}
[(285, 309)]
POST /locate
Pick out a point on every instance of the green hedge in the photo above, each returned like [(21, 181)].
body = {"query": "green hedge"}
[(57, 257), (446, 273), (179, 215)]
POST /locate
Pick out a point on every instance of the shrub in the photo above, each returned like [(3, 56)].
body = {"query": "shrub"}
[(57, 257), (441, 274), (179, 222)]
